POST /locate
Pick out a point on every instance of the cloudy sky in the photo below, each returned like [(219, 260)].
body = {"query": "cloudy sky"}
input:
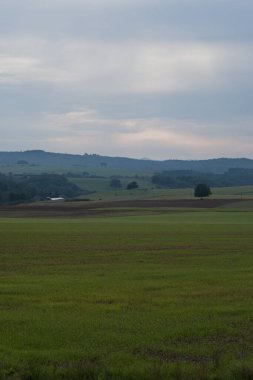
[(141, 78)]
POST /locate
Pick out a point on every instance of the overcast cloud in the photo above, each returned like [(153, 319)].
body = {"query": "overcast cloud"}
[(154, 78)]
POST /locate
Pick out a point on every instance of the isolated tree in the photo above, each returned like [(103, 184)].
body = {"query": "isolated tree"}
[(115, 183), (132, 185), (202, 191)]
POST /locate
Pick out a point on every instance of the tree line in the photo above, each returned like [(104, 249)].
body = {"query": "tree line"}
[(23, 188), (188, 178)]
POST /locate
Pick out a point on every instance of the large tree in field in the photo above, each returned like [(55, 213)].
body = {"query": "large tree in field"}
[(202, 191), (132, 185)]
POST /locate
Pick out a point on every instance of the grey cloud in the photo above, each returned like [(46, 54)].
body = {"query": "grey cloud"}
[(121, 19), (136, 67), (165, 78), (82, 129)]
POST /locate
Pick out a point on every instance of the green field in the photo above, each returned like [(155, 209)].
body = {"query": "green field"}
[(101, 187), (154, 297)]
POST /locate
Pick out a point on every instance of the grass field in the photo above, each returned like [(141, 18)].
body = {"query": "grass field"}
[(102, 185), (145, 297), (147, 191)]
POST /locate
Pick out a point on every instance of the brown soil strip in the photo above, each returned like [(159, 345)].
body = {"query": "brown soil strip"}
[(108, 208)]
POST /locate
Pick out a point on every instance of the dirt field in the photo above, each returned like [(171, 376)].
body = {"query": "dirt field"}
[(79, 209)]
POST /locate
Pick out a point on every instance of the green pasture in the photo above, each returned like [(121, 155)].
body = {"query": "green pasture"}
[(146, 190), (102, 186), (144, 297)]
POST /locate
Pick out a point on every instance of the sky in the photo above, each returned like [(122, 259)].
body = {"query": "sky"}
[(160, 79)]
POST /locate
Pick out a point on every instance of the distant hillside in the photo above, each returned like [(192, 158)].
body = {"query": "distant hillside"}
[(40, 157)]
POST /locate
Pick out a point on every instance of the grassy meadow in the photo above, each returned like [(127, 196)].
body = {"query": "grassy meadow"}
[(142, 297), (102, 190)]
